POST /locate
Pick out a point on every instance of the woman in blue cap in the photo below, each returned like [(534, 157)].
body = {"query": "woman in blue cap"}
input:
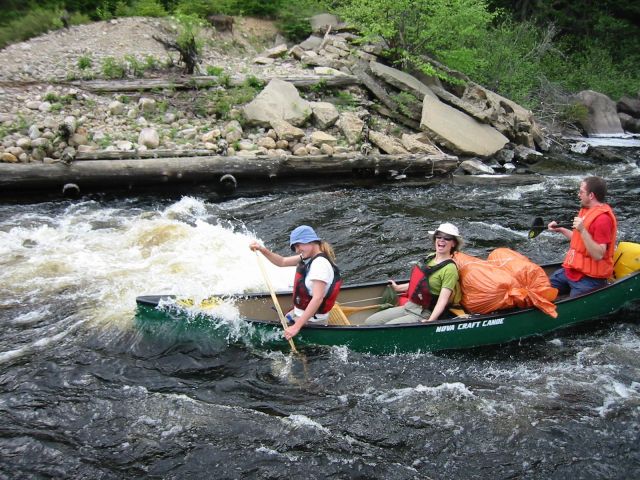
[(317, 281)]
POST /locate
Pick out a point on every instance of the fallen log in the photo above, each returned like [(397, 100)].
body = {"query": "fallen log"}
[(199, 82), (134, 154), (362, 72), (96, 175)]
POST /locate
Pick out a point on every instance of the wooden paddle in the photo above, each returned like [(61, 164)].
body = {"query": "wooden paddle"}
[(539, 226), (275, 299)]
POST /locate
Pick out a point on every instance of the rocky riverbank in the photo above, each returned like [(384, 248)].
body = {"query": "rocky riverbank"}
[(259, 97)]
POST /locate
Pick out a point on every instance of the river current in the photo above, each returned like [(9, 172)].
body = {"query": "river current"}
[(86, 395)]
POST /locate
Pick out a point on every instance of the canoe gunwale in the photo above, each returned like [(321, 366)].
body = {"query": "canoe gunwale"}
[(154, 300)]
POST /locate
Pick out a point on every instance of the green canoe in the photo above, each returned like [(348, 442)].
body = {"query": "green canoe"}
[(258, 323)]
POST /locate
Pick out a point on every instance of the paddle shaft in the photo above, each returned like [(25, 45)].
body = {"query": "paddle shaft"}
[(350, 310), (275, 299)]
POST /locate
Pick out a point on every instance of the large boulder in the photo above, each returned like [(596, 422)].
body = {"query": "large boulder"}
[(602, 117), (458, 132), (279, 100), (323, 21), (629, 123), (401, 80), (509, 118), (629, 105)]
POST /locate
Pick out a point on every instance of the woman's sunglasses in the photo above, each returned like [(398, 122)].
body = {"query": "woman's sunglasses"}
[(442, 237)]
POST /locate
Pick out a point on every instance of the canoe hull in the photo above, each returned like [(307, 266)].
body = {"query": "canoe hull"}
[(458, 333)]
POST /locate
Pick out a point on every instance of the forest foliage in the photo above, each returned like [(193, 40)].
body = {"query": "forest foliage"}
[(535, 52)]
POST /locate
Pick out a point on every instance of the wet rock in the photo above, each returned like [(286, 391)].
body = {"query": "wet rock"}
[(476, 167)]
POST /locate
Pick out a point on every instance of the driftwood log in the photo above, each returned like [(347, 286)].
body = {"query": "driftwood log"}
[(95, 175), (378, 90), (203, 81)]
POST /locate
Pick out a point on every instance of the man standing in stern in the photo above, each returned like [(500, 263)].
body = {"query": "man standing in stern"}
[(589, 261)]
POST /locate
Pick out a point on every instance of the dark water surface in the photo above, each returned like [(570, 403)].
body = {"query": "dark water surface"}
[(83, 394)]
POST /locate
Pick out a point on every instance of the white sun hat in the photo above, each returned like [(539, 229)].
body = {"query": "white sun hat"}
[(449, 229)]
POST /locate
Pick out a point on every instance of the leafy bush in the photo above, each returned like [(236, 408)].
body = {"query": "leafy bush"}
[(214, 71), (189, 40), (221, 101), (202, 8), (134, 66), (85, 62), (33, 23), (448, 30), (293, 18), (512, 58), (148, 8), (77, 18), (594, 68), (112, 69), (137, 8), (259, 8)]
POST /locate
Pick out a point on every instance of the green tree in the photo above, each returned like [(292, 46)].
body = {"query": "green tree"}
[(447, 30)]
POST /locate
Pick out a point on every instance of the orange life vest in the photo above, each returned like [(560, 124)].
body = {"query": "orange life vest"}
[(578, 258)]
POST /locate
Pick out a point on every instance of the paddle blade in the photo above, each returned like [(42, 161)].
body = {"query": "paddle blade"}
[(537, 227)]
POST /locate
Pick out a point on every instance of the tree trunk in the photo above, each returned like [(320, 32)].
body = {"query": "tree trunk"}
[(100, 174)]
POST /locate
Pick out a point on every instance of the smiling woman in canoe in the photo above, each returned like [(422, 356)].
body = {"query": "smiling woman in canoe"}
[(432, 287)]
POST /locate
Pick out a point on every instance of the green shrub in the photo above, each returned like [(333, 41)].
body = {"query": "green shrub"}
[(574, 113), (214, 71), (149, 8), (85, 62), (448, 30), (77, 18), (189, 40), (254, 82), (151, 62), (345, 100), (512, 58), (293, 17), (111, 68), (134, 66), (51, 97), (221, 101), (594, 68), (202, 8), (33, 23)]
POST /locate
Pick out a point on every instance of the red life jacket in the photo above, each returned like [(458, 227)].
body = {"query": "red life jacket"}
[(302, 297), (418, 291)]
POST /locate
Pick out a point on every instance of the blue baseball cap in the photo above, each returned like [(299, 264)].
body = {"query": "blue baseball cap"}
[(302, 234)]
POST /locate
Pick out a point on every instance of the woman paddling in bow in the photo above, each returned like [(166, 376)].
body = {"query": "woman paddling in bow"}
[(317, 281), (433, 286)]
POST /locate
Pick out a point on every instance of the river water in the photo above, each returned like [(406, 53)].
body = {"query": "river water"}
[(84, 394)]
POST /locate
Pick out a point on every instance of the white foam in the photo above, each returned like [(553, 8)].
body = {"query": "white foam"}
[(304, 421), (106, 257), (456, 390), (31, 318)]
